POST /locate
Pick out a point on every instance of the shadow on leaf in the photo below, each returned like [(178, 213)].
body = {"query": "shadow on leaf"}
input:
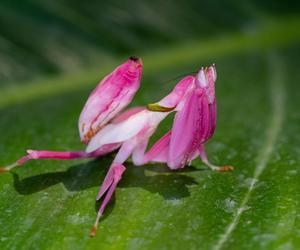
[(156, 178)]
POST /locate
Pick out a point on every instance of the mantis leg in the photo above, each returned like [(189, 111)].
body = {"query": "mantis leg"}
[(111, 180), (60, 155), (205, 160)]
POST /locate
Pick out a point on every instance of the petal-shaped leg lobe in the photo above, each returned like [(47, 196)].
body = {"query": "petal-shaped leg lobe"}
[(118, 170), (108, 180), (115, 169), (108, 187), (193, 125), (185, 131), (160, 150)]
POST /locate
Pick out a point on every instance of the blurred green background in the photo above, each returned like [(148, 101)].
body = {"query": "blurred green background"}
[(55, 37), (52, 54)]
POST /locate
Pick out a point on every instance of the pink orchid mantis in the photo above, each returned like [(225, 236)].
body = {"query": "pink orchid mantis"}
[(104, 130)]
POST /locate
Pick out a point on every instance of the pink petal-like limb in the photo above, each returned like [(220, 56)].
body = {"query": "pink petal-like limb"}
[(116, 174), (160, 150), (111, 180), (189, 129), (111, 95), (60, 155), (123, 154)]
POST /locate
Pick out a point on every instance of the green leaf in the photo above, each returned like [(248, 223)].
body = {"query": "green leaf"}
[(51, 204)]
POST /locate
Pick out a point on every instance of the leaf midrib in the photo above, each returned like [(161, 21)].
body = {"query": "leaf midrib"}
[(277, 103)]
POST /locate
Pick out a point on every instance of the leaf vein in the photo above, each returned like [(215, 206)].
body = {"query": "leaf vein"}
[(277, 104)]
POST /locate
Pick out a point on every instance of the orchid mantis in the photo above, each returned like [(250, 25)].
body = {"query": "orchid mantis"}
[(104, 130)]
